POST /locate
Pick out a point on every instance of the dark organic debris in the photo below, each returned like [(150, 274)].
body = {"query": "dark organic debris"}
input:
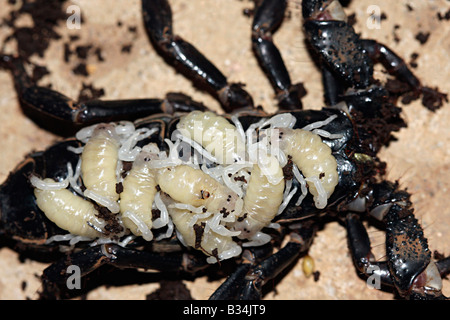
[(35, 39), (422, 37)]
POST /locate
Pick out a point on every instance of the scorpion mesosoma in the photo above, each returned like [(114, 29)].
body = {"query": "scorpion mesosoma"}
[(380, 190)]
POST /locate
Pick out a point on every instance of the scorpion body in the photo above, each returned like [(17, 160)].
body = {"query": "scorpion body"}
[(386, 201)]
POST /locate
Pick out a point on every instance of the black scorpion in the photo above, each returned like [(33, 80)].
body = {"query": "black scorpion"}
[(357, 102)]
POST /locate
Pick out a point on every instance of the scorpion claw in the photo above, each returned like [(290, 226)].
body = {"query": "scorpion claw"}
[(406, 246), (340, 49), (414, 274), (409, 267)]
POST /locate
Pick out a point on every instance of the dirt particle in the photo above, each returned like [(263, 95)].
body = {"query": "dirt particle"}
[(413, 61), (445, 16), (422, 37), (287, 169), (89, 92)]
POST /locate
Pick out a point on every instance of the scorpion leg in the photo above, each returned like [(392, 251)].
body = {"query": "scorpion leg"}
[(249, 286), (48, 104), (396, 66), (231, 287), (269, 269), (332, 87), (55, 278), (268, 16), (409, 265), (189, 61)]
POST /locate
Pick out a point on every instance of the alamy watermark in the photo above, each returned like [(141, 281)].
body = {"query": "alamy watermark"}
[(74, 19), (374, 19), (374, 280), (74, 280)]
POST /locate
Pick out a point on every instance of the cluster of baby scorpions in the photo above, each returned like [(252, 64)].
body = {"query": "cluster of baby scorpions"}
[(166, 184)]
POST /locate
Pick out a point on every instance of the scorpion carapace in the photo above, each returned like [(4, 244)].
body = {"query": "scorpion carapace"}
[(166, 184)]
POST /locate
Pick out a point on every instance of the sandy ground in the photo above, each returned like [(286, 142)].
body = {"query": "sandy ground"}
[(420, 158)]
